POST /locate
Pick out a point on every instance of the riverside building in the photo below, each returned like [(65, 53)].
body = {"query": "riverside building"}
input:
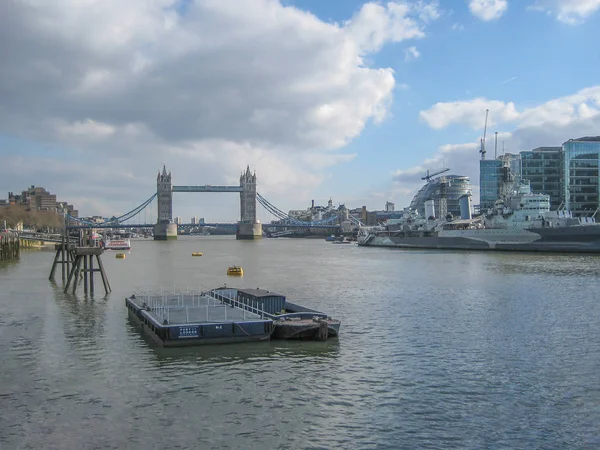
[(458, 185), (568, 174), (580, 175)]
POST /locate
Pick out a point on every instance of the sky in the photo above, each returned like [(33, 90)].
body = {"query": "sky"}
[(340, 99)]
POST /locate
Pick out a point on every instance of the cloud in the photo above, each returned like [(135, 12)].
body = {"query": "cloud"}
[(457, 27), (127, 86), (411, 53), (488, 9), (469, 112), (571, 12), (375, 24), (561, 111)]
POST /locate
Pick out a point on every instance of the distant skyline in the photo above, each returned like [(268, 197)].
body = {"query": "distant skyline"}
[(343, 99)]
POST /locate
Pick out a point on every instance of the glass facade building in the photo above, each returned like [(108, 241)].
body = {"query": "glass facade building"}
[(580, 175), (569, 174), (490, 175), (543, 167), (457, 187)]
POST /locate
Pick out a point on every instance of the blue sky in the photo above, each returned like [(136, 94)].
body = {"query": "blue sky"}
[(345, 99), (525, 57)]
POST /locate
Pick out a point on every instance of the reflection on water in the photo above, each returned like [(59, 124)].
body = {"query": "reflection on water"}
[(436, 350), (555, 265)]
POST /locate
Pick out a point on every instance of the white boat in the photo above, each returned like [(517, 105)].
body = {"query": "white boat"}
[(117, 244)]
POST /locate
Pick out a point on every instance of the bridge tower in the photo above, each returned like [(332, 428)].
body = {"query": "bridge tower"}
[(164, 228), (248, 226)]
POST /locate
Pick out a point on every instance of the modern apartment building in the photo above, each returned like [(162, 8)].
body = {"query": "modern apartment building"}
[(490, 174), (580, 175), (569, 175), (543, 167)]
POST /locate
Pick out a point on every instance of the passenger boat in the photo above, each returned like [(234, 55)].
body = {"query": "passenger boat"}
[(235, 270), (117, 244)]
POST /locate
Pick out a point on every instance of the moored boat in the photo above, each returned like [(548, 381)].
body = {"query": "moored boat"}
[(291, 321), (521, 221), (186, 319), (117, 244), (235, 270)]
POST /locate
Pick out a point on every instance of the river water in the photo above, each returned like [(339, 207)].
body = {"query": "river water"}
[(437, 350)]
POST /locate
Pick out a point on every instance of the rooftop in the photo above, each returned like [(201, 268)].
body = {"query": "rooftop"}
[(587, 139), (259, 293)]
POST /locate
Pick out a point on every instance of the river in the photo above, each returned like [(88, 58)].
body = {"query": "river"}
[(437, 349)]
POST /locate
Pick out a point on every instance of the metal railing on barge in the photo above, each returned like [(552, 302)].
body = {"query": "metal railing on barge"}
[(195, 307), (300, 312)]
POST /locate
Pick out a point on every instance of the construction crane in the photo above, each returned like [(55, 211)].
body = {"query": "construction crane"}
[(482, 149), (429, 176)]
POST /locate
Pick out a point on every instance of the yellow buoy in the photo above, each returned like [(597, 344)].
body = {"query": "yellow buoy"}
[(120, 255), (235, 270), (196, 253)]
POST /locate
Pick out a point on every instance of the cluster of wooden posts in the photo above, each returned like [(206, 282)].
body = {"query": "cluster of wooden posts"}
[(77, 264), (10, 245)]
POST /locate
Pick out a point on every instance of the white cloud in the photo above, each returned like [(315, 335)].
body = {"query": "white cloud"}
[(428, 11), (571, 12), (488, 9), (411, 53), (558, 112), (457, 27), (375, 24), (137, 84), (469, 112)]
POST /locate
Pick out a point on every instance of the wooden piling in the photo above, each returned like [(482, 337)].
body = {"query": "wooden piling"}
[(10, 246), (65, 255), (83, 267)]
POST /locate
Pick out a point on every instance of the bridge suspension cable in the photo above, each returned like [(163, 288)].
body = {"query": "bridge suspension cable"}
[(116, 220), (286, 218)]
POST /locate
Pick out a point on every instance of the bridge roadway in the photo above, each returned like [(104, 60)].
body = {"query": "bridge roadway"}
[(207, 188), (189, 225)]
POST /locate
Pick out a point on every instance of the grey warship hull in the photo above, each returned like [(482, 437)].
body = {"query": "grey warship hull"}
[(579, 239)]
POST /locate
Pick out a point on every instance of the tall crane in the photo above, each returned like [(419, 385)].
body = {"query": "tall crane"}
[(482, 149), (429, 176)]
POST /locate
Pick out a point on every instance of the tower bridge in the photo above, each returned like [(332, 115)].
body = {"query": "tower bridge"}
[(248, 226)]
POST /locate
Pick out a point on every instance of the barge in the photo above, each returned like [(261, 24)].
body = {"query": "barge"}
[(177, 320), (290, 321)]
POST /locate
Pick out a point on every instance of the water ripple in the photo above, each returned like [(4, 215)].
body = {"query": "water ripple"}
[(437, 350)]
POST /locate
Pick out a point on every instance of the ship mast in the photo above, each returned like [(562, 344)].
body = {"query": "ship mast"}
[(507, 181), (444, 183)]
